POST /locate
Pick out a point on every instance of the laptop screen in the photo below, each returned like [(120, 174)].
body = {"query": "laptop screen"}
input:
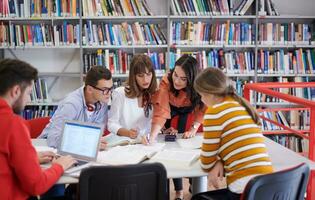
[(81, 140)]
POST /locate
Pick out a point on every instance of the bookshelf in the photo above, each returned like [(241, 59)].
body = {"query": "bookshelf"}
[(65, 65)]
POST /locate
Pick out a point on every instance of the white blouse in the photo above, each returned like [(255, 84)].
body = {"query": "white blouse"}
[(125, 113)]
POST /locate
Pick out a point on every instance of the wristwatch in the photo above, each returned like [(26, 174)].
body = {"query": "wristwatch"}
[(195, 126)]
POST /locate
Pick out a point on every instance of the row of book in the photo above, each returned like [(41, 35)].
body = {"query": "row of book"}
[(295, 119), (39, 8), (201, 33), (118, 61), (286, 33), (31, 112), (210, 7), (306, 93), (93, 8), (40, 91), (231, 62), (122, 34), (182, 33), (19, 35), (70, 8), (294, 143), (291, 62)]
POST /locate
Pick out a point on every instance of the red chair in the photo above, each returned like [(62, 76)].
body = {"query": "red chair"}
[(37, 125)]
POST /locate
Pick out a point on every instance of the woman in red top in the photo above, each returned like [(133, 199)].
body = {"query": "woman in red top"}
[(177, 106)]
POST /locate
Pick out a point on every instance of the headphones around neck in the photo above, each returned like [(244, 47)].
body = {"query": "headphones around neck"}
[(93, 107)]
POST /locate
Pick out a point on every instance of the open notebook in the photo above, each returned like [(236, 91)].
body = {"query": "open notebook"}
[(130, 154), (177, 158), (116, 140)]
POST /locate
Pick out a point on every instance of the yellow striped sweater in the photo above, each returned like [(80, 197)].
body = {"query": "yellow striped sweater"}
[(231, 135)]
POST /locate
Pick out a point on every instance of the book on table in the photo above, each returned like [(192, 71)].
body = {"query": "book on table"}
[(129, 154), (116, 140), (177, 158)]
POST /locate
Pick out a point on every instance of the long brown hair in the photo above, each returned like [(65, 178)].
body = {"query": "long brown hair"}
[(139, 64), (190, 66), (214, 81)]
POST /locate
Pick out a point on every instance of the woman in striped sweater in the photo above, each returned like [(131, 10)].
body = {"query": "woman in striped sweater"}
[(233, 143)]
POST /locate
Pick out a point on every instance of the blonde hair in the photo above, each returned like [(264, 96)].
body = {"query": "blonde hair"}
[(214, 81)]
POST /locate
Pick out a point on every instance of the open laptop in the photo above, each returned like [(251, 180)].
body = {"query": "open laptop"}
[(80, 140)]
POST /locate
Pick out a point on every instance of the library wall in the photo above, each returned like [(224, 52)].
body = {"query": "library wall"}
[(295, 7), (53, 61)]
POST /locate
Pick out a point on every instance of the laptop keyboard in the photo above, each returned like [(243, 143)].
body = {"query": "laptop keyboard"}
[(78, 166), (80, 162)]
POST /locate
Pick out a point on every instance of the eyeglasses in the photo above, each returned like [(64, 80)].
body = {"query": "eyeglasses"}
[(105, 91)]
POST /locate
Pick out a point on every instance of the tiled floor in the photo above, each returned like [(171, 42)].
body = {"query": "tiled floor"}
[(187, 195)]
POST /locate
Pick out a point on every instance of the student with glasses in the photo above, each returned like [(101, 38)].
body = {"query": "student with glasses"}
[(177, 106), (131, 108), (86, 104)]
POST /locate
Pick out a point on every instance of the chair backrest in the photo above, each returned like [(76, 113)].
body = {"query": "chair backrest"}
[(288, 184), (127, 182), (37, 125)]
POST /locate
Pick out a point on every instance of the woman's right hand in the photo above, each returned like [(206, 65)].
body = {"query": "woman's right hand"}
[(171, 131), (147, 140), (65, 161), (144, 140)]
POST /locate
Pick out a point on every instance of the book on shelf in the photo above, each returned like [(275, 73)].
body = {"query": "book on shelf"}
[(130, 154), (295, 119), (204, 33), (21, 35), (210, 7), (285, 34), (94, 8), (40, 92), (118, 61), (295, 143), (299, 61), (137, 33), (31, 112), (39, 8), (267, 7), (238, 84), (231, 62), (306, 93), (182, 158), (116, 140)]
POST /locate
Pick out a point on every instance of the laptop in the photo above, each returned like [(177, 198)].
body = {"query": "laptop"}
[(80, 140)]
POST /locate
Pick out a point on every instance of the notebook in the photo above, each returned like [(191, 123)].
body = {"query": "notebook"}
[(176, 158), (129, 154), (80, 140), (115, 140)]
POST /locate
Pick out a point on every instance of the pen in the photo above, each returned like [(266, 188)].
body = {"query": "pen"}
[(148, 138)]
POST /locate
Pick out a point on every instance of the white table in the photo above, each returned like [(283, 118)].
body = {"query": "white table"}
[(282, 158)]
